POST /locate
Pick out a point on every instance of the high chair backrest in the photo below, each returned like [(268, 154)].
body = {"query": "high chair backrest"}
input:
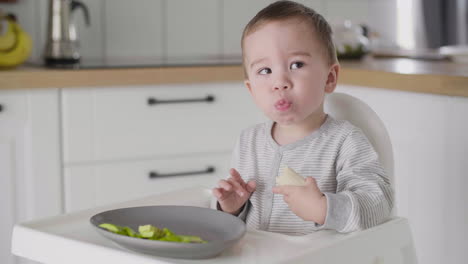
[(346, 107)]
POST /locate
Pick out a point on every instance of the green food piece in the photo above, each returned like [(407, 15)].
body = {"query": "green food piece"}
[(147, 231), (111, 227), (192, 239), (151, 232), (129, 232)]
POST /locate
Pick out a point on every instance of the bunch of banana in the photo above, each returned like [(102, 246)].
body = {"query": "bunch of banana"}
[(15, 43)]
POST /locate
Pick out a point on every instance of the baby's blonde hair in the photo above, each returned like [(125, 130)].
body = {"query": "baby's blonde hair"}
[(283, 10)]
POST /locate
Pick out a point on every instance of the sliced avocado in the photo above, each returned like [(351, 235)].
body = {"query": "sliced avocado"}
[(110, 227), (191, 239), (147, 231), (151, 232), (129, 232)]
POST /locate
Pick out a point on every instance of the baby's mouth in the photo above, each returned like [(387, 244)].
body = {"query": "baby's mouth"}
[(282, 105)]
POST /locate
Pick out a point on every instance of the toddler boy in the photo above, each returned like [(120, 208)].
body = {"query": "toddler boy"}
[(290, 64)]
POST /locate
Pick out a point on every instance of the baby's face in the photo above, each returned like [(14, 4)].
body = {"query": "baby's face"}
[(287, 71)]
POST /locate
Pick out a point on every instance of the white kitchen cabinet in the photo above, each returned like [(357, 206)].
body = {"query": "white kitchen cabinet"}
[(30, 180), (12, 126), (88, 186), (455, 182), (428, 134), (118, 123), (113, 137)]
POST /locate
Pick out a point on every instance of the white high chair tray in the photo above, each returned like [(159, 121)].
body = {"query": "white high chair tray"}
[(70, 238)]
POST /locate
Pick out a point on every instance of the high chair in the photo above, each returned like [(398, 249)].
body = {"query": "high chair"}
[(70, 239), (346, 107)]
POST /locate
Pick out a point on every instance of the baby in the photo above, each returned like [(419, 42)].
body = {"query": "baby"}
[(290, 64)]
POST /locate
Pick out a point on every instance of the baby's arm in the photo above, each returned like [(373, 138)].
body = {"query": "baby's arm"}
[(364, 197)]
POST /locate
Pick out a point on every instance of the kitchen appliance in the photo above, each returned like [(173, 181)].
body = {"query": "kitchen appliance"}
[(431, 24), (424, 26), (62, 47), (443, 22)]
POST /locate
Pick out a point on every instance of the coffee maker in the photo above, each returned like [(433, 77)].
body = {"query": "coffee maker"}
[(62, 47)]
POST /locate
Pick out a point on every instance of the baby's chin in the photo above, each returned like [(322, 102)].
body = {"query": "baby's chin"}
[(285, 120)]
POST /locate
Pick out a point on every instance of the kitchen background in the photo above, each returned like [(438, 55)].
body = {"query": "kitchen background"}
[(184, 28), (145, 31)]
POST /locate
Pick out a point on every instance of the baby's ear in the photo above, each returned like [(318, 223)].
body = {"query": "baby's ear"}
[(332, 78), (247, 84)]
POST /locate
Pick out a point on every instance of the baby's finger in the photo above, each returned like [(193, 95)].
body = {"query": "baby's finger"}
[(310, 180), (216, 193), (220, 194), (250, 186), (240, 190), (284, 190), (225, 185), (236, 176)]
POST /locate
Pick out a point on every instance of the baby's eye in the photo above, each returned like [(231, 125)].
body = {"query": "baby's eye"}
[(297, 65), (265, 71)]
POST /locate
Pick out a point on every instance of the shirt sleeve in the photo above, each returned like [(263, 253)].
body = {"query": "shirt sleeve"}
[(243, 213), (364, 196)]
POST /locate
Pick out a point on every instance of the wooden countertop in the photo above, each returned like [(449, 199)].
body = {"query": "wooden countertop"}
[(436, 77)]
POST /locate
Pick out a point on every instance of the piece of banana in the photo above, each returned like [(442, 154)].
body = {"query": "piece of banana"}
[(290, 177), (20, 51), (7, 36)]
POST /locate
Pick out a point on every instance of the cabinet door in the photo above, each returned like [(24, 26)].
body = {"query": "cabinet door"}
[(30, 183), (88, 186), (428, 136), (102, 124), (11, 131)]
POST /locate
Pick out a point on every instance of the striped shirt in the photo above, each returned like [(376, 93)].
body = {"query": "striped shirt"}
[(341, 159)]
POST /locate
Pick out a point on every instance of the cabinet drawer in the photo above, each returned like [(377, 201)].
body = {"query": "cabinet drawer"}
[(118, 123), (88, 186)]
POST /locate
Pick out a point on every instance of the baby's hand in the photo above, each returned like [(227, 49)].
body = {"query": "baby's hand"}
[(307, 201), (233, 193)]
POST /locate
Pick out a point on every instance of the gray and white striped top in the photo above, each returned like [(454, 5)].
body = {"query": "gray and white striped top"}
[(341, 159)]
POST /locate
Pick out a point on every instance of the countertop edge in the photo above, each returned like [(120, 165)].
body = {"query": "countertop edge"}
[(418, 83), (49, 78)]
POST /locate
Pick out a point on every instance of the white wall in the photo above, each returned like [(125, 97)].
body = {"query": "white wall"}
[(162, 28)]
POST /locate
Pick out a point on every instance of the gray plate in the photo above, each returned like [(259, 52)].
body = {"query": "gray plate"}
[(221, 230)]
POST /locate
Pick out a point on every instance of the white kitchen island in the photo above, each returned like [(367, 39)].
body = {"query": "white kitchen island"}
[(70, 238)]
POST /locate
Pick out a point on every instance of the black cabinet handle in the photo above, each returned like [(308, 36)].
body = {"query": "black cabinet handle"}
[(1, 108), (207, 99), (154, 174)]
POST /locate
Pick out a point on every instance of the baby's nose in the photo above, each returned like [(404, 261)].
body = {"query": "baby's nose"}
[(284, 85), (282, 81)]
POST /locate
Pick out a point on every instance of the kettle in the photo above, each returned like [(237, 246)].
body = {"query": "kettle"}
[(62, 39)]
